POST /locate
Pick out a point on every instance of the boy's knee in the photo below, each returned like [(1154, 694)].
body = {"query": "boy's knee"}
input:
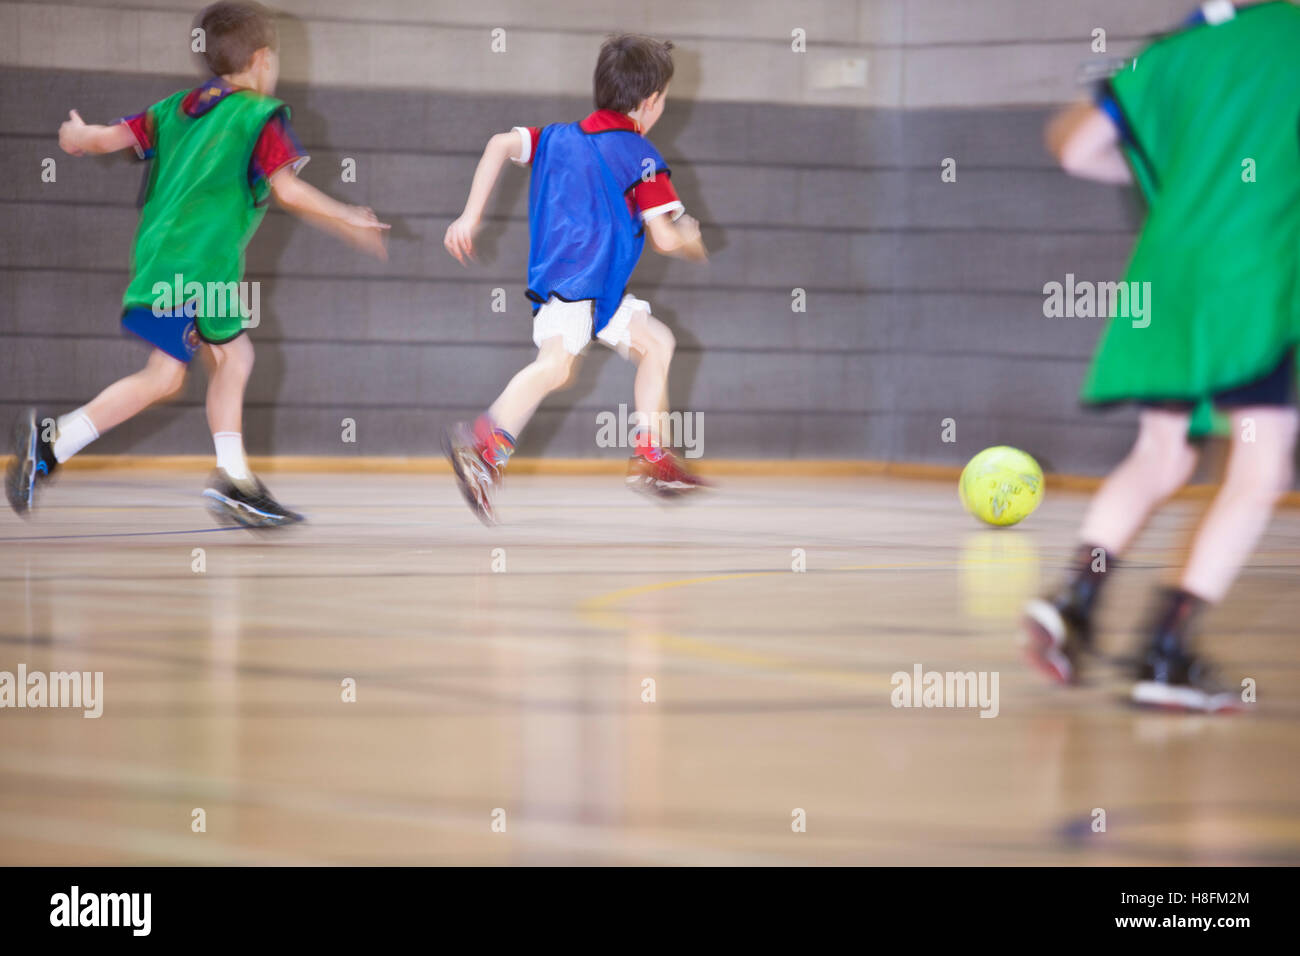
[(557, 369), (654, 339), (1283, 480), (245, 359), (667, 341), (238, 356), (1262, 466), (1171, 469), (166, 377), (1181, 464), (1263, 481), (1168, 458), (234, 356)]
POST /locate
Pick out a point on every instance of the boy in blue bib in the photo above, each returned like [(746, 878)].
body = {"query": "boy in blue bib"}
[(598, 188)]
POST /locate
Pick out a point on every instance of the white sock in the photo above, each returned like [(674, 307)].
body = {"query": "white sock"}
[(75, 431), (230, 454)]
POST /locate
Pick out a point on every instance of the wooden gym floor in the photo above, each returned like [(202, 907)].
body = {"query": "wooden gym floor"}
[(519, 691)]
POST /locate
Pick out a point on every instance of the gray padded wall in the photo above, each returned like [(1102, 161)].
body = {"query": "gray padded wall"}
[(924, 298)]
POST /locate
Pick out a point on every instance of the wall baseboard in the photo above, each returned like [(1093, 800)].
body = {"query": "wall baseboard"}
[(773, 468)]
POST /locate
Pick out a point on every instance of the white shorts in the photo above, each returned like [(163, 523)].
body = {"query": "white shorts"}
[(572, 322)]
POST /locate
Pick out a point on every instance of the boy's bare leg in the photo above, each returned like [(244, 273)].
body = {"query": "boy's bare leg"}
[(652, 349), (478, 453), (1059, 626), (233, 493), (1161, 462), (161, 377), (230, 366), (1171, 673), (1259, 472), (37, 453), (550, 371), (651, 469)]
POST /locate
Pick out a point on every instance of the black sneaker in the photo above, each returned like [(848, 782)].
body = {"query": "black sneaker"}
[(1056, 637), (32, 463), (1182, 681), (246, 502), (477, 477)]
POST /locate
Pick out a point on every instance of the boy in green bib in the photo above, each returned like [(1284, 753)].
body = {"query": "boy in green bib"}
[(219, 153), (1206, 120)]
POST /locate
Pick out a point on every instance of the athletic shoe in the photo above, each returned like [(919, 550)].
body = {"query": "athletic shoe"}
[(245, 501), (33, 462), (477, 477), (1056, 637), (1181, 681), (665, 478)]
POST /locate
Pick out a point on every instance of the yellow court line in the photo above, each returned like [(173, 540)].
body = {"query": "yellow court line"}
[(600, 612), (613, 597)]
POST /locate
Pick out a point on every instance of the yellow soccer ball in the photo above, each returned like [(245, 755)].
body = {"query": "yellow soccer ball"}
[(1001, 486)]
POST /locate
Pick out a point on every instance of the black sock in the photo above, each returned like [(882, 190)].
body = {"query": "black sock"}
[(45, 449), (1078, 595), (1176, 618), (45, 452)]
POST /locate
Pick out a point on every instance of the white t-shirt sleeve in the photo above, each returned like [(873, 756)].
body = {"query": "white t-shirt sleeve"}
[(675, 208), (526, 139)]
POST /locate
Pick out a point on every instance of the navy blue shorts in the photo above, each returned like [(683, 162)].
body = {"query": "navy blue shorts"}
[(1278, 387), (173, 332)]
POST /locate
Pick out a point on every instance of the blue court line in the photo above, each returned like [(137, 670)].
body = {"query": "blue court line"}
[(120, 534)]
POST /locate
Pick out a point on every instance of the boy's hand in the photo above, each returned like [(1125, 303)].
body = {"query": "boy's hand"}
[(680, 238), (367, 231), (459, 239), (70, 134), (77, 138), (692, 247), (355, 225)]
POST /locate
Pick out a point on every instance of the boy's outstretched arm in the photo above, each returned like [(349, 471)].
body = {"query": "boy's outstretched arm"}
[(1085, 142), (680, 237), (459, 239), (76, 137), (355, 225)]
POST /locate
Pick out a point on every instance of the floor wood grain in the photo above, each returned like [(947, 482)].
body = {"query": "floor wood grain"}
[(501, 675)]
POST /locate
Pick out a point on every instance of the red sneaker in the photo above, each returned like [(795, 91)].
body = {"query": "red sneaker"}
[(478, 478), (665, 478)]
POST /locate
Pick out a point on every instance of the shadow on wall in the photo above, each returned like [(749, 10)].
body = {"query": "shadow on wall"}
[(269, 370)]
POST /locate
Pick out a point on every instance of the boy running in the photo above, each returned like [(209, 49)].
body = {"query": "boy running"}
[(598, 187), (1207, 120), (219, 152)]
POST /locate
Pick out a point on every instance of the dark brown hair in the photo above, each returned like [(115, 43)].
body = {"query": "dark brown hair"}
[(629, 69), (232, 33)]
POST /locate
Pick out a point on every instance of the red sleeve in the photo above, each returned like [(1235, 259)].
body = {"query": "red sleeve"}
[(277, 147), (530, 134), (656, 196), (141, 127)]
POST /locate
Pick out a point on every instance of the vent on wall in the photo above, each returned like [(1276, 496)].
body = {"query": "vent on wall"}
[(846, 73)]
